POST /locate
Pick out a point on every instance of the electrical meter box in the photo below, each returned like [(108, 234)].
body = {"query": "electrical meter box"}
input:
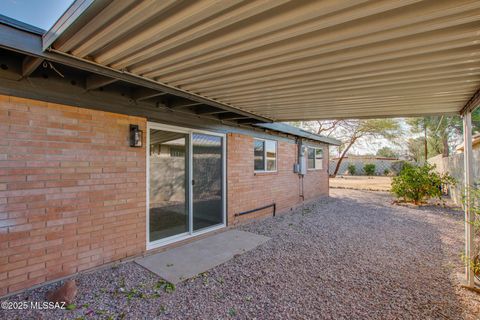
[(301, 166)]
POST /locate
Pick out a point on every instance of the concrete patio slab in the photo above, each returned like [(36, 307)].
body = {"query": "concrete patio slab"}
[(184, 262)]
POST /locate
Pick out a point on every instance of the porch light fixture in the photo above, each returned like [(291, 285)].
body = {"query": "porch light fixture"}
[(136, 136)]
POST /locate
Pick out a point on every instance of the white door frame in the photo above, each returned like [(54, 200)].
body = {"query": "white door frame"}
[(190, 233)]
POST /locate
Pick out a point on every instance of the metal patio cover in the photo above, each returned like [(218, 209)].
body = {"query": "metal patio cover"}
[(289, 60)]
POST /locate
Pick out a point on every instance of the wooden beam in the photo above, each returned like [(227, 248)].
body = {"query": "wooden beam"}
[(60, 90), (231, 116), (204, 109), (158, 104), (472, 103), (95, 82), (211, 110), (31, 44), (141, 94), (10, 68), (182, 103), (29, 65), (248, 121)]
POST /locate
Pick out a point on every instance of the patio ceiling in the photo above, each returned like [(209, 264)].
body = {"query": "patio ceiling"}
[(289, 60)]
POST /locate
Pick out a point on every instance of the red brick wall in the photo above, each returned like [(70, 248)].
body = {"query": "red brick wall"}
[(72, 191), (248, 190)]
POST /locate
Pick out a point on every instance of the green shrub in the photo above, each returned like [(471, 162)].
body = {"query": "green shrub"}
[(386, 172), (352, 169), (474, 262), (397, 166), (369, 169), (419, 183)]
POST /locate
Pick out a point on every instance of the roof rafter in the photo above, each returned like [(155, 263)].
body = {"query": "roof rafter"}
[(472, 103)]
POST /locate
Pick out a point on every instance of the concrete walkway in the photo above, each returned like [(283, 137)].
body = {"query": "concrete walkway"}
[(187, 261)]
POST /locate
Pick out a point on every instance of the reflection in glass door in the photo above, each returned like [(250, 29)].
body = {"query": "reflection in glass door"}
[(207, 164), (186, 183), (168, 193)]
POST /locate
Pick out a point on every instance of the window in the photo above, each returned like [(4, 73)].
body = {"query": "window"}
[(177, 152), (315, 158), (265, 155), (259, 155)]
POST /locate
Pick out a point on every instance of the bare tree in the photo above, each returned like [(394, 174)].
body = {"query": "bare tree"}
[(323, 127), (350, 131)]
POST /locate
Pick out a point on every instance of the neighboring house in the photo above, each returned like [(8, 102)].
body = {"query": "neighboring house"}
[(454, 166), (96, 168), (381, 164), (475, 144)]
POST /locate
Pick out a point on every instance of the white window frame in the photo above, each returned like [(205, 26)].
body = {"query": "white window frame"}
[(265, 156), (315, 159), (190, 233)]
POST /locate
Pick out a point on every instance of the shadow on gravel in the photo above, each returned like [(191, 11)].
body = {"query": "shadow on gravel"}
[(352, 256), (418, 249)]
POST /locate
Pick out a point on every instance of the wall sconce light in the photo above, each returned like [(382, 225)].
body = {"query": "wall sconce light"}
[(136, 136)]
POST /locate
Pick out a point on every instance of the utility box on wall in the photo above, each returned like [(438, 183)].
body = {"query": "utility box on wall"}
[(301, 166)]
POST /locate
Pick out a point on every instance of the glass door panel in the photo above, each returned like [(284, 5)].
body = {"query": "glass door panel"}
[(207, 178), (168, 180)]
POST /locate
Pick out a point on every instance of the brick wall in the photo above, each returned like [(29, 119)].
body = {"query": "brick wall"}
[(248, 190), (72, 191)]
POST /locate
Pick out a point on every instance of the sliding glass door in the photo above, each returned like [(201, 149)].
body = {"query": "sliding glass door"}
[(168, 192), (207, 181), (185, 183)]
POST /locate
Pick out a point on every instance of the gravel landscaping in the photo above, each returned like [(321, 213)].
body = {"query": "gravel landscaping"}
[(352, 256)]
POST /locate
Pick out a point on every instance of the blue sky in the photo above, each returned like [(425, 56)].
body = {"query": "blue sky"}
[(40, 13)]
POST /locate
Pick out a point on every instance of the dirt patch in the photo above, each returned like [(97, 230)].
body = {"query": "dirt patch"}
[(361, 183)]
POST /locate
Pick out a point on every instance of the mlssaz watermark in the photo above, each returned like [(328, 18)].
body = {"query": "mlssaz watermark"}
[(36, 305)]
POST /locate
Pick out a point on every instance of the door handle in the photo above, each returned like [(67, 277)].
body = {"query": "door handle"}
[(193, 182)]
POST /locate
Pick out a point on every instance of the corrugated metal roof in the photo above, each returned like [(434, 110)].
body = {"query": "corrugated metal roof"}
[(286, 128), (291, 60)]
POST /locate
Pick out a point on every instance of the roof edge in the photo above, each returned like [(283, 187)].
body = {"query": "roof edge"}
[(78, 11), (286, 128), (17, 24)]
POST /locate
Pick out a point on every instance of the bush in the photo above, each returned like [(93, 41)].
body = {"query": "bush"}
[(369, 169), (397, 166), (352, 169), (386, 172), (419, 183), (474, 262)]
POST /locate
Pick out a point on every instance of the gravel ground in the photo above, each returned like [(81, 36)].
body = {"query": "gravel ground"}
[(352, 256)]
